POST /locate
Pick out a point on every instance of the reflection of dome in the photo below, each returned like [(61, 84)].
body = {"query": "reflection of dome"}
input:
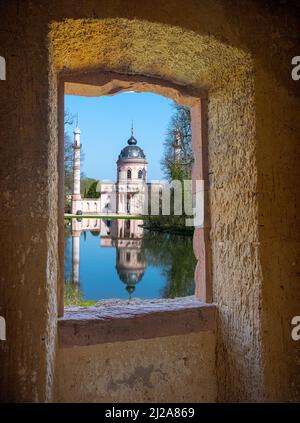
[(130, 289), (130, 278)]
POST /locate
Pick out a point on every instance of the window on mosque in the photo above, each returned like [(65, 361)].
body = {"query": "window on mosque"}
[(128, 174)]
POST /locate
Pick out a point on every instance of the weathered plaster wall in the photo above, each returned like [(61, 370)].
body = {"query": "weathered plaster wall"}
[(28, 223), (158, 370), (240, 52), (237, 275), (279, 233)]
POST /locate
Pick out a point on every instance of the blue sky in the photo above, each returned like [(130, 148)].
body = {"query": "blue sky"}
[(105, 124)]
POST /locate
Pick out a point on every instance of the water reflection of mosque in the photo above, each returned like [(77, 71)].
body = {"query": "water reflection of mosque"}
[(123, 234)]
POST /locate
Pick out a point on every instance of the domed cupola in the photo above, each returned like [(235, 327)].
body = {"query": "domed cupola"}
[(132, 150)]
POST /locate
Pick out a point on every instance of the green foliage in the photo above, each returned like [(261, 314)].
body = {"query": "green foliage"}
[(175, 254), (177, 167), (85, 184), (73, 296), (171, 224), (181, 167), (92, 191)]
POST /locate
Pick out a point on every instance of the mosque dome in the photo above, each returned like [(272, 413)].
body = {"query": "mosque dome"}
[(132, 151)]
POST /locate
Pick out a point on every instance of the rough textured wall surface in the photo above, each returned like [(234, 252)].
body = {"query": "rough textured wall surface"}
[(154, 370), (28, 213), (240, 52), (236, 269), (279, 234)]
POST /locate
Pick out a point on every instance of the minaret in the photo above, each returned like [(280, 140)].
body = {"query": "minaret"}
[(76, 170)]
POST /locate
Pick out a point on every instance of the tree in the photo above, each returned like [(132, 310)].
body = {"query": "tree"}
[(174, 256), (177, 166), (68, 154), (92, 192), (68, 159), (180, 126), (85, 185), (68, 165)]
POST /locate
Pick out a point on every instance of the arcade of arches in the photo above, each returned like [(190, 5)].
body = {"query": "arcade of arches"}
[(221, 59)]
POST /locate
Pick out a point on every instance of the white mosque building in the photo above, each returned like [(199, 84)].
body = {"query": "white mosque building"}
[(128, 195)]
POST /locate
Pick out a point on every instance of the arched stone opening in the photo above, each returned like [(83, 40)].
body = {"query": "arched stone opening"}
[(217, 82), (111, 83)]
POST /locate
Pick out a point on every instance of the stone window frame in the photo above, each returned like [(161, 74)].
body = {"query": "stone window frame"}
[(191, 315)]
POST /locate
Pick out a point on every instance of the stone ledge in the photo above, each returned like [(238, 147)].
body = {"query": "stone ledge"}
[(127, 322)]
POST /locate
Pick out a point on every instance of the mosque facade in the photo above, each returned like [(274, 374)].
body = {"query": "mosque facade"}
[(126, 196)]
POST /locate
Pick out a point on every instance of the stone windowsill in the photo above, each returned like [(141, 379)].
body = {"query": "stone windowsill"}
[(124, 321)]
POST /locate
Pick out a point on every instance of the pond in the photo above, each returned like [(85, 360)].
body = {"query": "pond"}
[(119, 259)]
